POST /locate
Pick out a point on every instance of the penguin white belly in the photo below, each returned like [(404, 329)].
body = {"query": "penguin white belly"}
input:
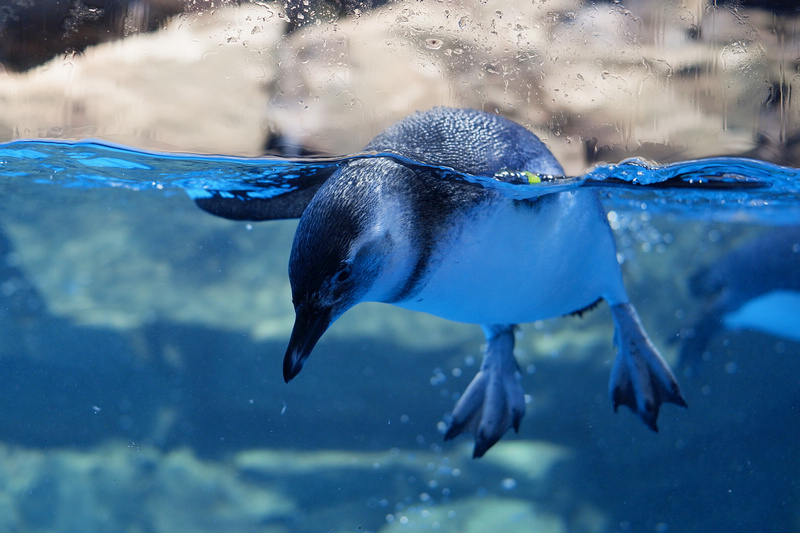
[(510, 263)]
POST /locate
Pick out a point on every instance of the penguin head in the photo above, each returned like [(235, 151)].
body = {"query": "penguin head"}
[(340, 256)]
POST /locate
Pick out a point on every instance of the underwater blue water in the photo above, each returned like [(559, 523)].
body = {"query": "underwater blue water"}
[(169, 422)]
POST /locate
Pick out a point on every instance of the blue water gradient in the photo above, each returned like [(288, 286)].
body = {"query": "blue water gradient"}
[(718, 189)]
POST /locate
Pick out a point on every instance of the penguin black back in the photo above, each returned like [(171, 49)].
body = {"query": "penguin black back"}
[(468, 141)]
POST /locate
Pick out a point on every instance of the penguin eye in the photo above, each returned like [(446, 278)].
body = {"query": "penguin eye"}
[(344, 273)]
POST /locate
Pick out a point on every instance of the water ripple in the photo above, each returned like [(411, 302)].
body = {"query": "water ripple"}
[(719, 188)]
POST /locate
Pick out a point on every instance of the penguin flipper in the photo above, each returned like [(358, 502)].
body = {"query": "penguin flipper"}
[(640, 378), (235, 206), (494, 401), (276, 198)]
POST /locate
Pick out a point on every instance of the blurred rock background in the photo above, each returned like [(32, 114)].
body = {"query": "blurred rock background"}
[(598, 81)]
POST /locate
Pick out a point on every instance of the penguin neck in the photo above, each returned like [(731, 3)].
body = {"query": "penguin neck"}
[(392, 223)]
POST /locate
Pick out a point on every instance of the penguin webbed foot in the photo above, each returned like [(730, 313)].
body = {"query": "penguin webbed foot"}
[(640, 378), (494, 400)]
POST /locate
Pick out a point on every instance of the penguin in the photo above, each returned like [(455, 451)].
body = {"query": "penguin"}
[(756, 286), (383, 229)]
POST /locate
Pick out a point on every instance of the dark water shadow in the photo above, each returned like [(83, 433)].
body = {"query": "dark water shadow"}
[(728, 463), (173, 385)]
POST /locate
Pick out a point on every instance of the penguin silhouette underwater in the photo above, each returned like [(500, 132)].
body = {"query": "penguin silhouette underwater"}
[(379, 229), (755, 286)]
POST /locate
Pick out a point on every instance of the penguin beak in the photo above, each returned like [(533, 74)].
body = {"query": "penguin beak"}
[(309, 326)]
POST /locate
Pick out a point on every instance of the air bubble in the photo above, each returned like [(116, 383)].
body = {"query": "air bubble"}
[(509, 483)]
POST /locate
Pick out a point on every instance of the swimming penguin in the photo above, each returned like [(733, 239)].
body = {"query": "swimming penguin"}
[(383, 230), (756, 286)]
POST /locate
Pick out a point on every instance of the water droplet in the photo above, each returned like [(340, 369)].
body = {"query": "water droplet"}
[(433, 44)]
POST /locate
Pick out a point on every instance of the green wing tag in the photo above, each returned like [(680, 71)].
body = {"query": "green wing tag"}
[(521, 177), (531, 177)]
